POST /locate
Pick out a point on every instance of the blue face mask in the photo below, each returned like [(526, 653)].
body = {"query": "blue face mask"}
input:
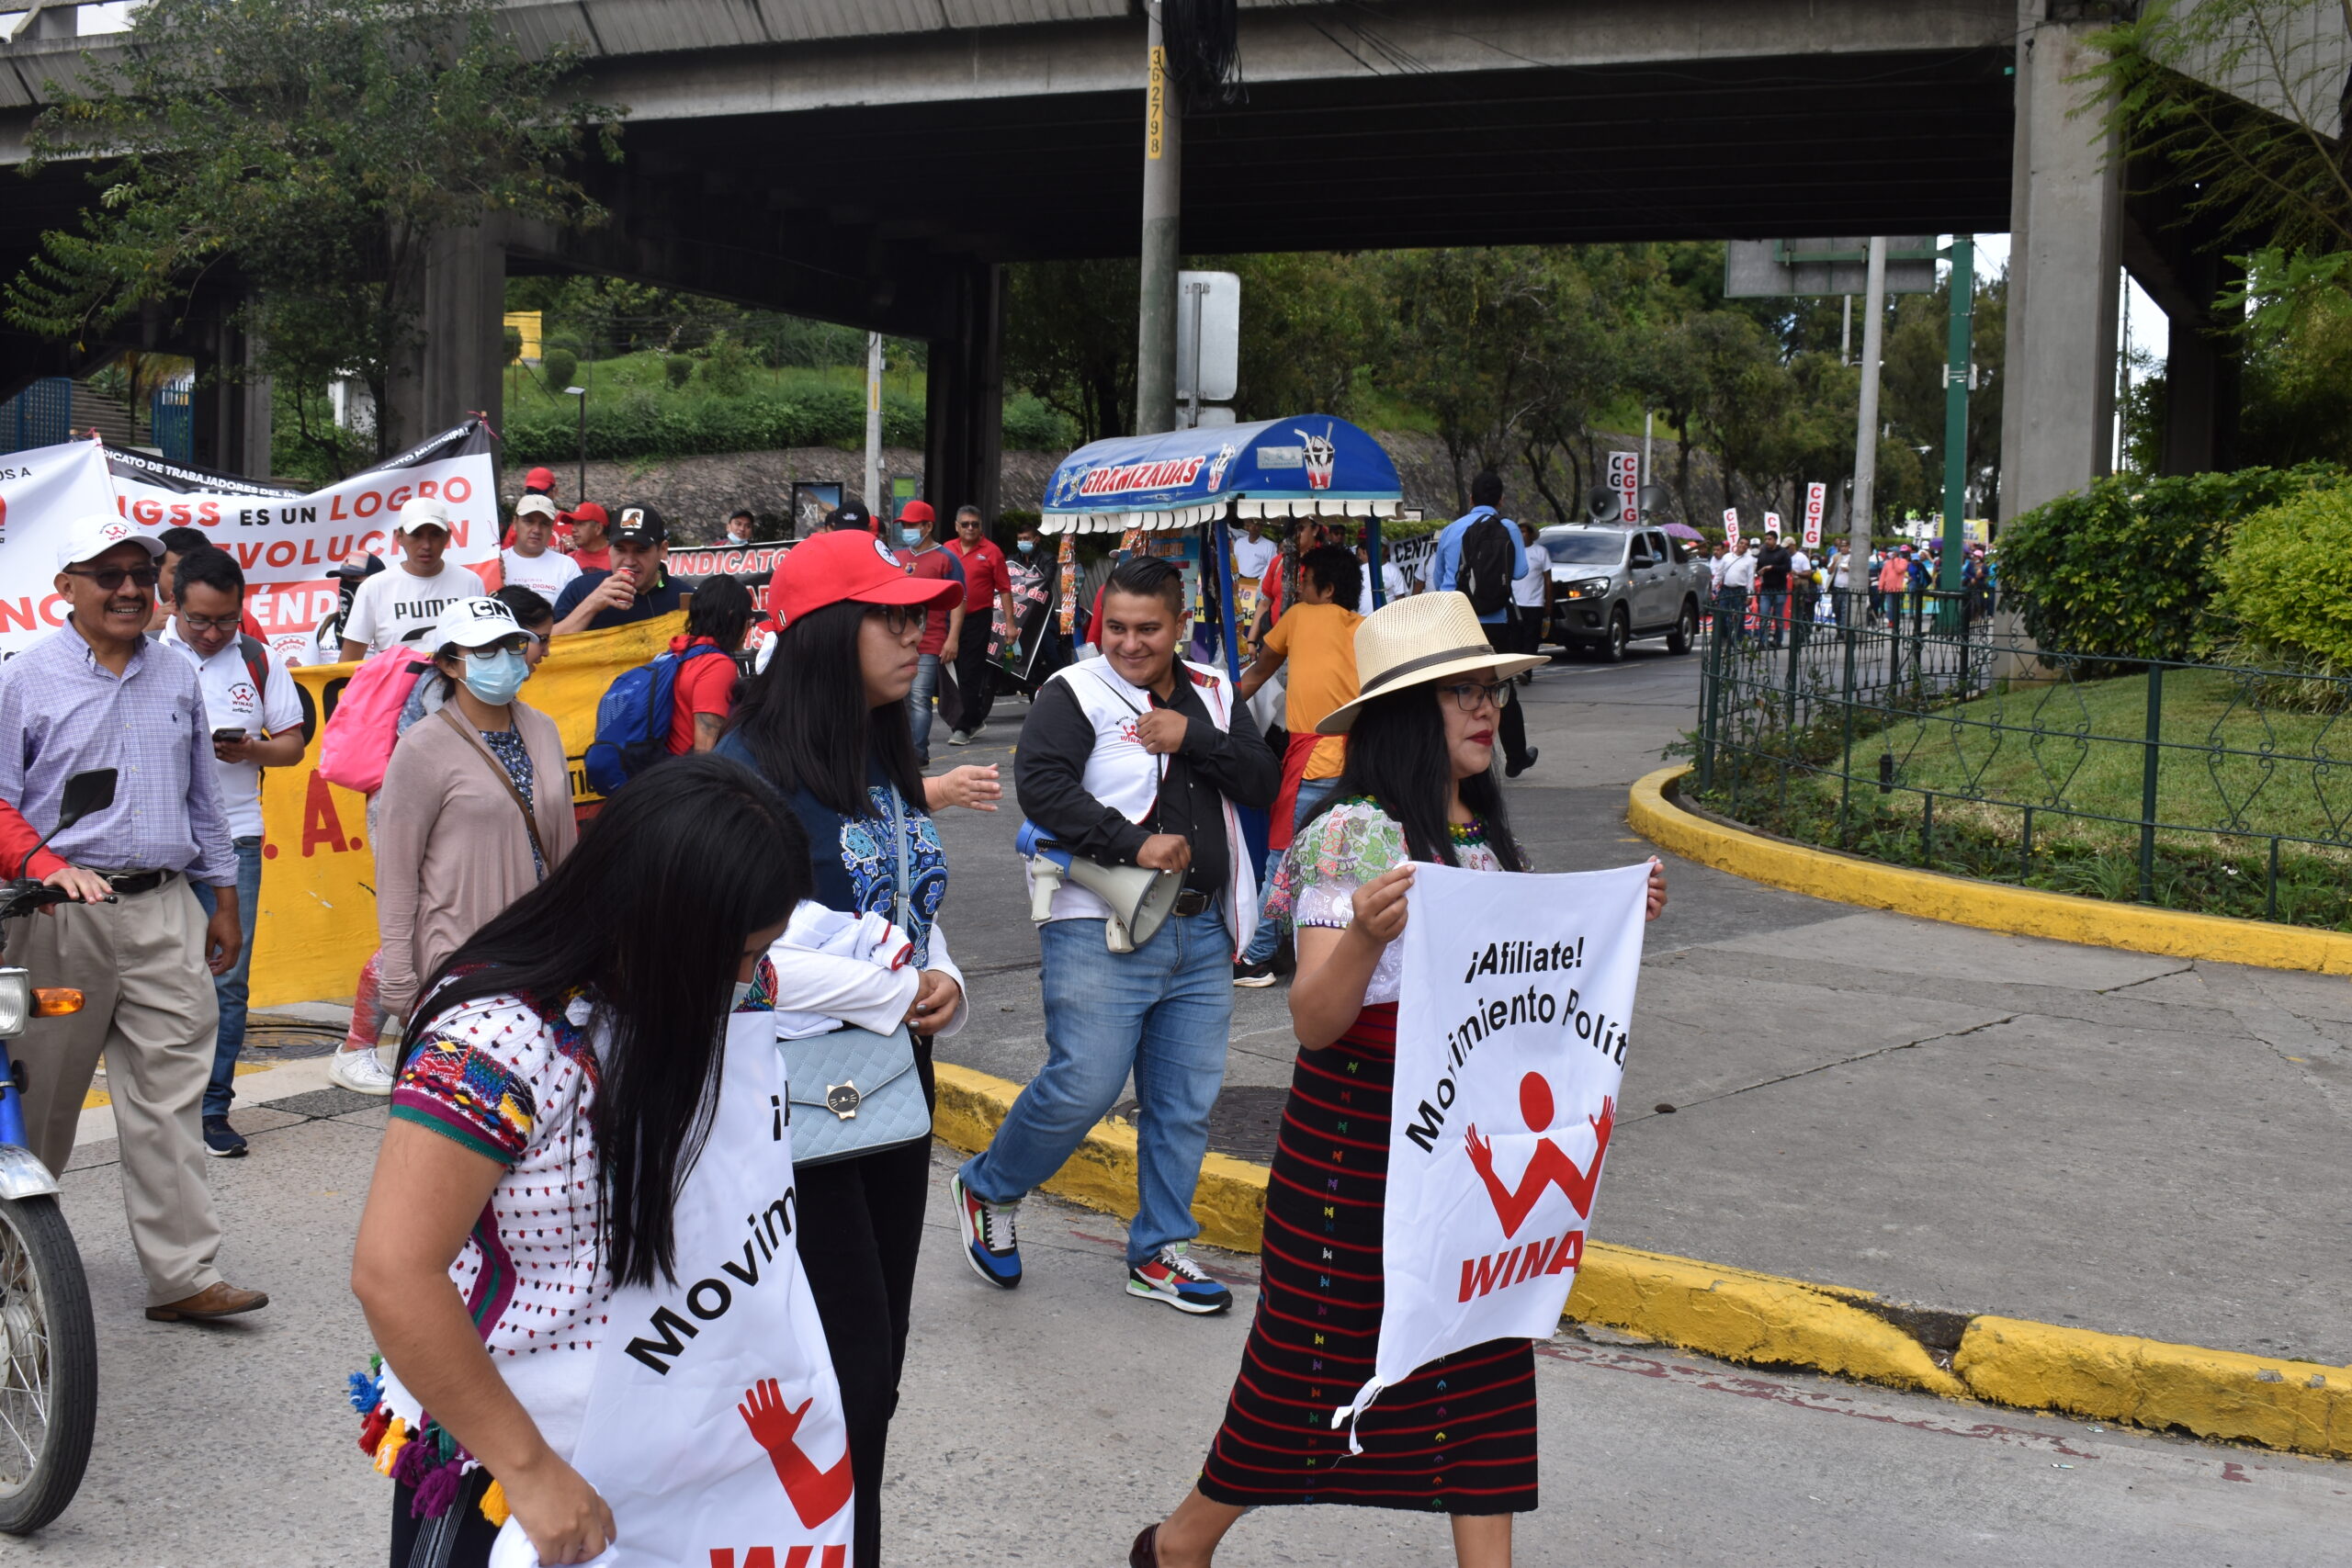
[(495, 676), (910, 537), (1028, 546)]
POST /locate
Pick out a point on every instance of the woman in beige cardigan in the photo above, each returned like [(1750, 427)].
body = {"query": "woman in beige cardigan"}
[(476, 807)]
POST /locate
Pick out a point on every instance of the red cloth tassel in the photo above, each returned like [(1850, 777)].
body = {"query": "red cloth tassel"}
[(1295, 757)]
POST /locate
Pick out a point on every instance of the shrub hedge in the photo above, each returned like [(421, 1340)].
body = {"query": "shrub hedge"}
[(2286, 581), (640, 426), (2130, 568)]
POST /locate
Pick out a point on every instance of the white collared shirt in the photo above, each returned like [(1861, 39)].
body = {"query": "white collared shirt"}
[(230, 703)]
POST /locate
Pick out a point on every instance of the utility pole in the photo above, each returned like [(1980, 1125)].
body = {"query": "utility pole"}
[(1958, 371), (1163, 148), (1649, 427), (875, 505), (1858, 542), (1845, 332)]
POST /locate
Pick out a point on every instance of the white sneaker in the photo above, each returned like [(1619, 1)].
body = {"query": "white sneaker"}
[(362, 1072), (957, 737)]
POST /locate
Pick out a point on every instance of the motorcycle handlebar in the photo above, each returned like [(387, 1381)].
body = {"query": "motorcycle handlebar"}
[(23, 897)]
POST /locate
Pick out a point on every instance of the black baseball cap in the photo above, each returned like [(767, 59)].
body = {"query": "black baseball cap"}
[(850, 514), (638, 523)]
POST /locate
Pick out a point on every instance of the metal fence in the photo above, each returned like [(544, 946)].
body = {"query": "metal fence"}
[(40, 415), (172, 422), (1923, 735)]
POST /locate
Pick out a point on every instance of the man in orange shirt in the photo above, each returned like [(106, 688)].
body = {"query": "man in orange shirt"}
[(1317, 639)]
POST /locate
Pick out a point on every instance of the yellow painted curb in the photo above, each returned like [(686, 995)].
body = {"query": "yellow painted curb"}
[(1737, 1315), (2301, 1406), (1990, 905)]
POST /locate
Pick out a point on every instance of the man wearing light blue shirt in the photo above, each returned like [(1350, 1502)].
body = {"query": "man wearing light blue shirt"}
[(1445, 568)]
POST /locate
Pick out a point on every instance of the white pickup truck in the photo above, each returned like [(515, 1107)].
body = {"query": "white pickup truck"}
[(1610, 586)]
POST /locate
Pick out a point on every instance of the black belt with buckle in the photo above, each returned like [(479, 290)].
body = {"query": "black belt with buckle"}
[(138, 881), (1190, 901)]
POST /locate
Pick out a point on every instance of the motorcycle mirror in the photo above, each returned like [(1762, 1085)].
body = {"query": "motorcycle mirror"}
[(87, 793)]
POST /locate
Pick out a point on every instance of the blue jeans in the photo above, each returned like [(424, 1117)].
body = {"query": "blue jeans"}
[(231, 988), (1163, 1011), (919, 698), (1772, 614), (1312, 792)]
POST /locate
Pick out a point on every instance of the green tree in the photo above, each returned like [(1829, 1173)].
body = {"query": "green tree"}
[(318, 148), (1069, 339)]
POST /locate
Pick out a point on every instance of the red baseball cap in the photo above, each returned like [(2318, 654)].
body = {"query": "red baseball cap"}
[(540, 479), (917, 511), (589, 512), (845, 566)]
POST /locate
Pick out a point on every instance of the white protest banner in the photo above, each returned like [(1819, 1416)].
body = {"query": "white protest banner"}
[(714, 1426), (1772, 522), (1816, 497), (42, 492), (287, 543), (1731, 525), (1625, 480), (1512, 1020)]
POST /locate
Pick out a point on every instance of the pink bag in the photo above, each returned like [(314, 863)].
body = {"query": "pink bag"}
[(360, 733)]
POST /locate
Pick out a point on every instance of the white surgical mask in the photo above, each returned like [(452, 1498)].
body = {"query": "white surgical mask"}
[(494, 675)]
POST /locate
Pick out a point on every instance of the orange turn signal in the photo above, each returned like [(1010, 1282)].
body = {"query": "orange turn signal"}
[(56, 1001)]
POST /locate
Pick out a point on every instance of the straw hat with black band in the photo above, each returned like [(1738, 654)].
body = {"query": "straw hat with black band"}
[(1417, 642)]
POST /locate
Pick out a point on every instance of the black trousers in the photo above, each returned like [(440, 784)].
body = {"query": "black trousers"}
[(861, 1230), (459, 1539), (1503, 638), (975, 684)]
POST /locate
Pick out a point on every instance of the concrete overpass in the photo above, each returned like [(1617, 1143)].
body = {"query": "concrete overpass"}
[(874, 161)]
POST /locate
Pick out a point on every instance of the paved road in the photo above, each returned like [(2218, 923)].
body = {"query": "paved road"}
[(1963, 1120), (1954, 1118), (1046, 1426)]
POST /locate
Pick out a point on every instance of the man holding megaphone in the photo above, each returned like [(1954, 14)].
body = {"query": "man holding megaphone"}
[(1129, 768)]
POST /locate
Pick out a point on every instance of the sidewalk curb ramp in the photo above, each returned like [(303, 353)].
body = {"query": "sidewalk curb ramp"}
[(1841, 878), (1762, 1319)]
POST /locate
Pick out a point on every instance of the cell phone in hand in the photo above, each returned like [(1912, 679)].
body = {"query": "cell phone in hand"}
[(227, 737)]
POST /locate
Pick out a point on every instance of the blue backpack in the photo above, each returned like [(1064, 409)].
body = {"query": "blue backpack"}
[(633, 720)]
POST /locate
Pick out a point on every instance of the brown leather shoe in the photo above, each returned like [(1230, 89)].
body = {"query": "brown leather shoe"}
[(1145, 1554), (220, 1299)]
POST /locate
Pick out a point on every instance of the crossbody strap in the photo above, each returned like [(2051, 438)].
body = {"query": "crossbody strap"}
[(498, 768), (901, 832)]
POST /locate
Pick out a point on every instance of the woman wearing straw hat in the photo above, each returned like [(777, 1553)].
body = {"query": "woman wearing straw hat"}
[(1458, 1436)]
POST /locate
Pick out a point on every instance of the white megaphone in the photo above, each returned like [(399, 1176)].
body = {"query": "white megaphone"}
[(1140, 899)]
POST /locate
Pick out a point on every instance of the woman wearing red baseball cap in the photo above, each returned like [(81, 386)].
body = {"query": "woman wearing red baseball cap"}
[(826, 723)]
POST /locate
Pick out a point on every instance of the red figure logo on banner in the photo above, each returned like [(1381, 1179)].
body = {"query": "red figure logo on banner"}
[(816, 1495), (1551, 1165)]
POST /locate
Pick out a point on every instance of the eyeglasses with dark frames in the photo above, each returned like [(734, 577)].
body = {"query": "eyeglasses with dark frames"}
[(110, 578), (1469, 695)]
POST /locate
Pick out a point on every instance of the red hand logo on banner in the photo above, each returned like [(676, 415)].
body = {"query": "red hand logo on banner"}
[(816, 1495), (1551, 1165)]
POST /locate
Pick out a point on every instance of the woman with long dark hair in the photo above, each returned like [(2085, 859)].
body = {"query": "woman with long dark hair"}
[(827, 723), (554, 1088), (1459, 1435), (703, 692)]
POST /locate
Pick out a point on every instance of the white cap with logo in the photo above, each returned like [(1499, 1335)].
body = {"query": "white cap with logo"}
[(474, 622), (94, 536), (537, 504)]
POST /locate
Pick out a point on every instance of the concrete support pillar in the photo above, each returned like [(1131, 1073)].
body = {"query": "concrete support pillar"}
[(2201, 375), (964, 436), (2058, 408), (231, 409), (462, 341)]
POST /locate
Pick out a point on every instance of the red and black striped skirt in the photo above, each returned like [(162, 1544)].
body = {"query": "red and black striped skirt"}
[(1458, 1436)]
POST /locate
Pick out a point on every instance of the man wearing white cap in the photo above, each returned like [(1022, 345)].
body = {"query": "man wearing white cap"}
[(528, 562), (96, 693), (400, 606)]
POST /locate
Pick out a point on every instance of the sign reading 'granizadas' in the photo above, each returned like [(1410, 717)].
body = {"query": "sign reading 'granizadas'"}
[(1512, 1024)]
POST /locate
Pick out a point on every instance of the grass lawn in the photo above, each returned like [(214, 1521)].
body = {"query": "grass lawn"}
[(2228, 759), (526, 386)]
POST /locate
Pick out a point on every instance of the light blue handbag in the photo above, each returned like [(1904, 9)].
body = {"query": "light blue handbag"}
[(854, 1091)]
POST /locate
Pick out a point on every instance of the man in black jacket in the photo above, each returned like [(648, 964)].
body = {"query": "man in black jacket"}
[(1772, 587), (1136, 758)]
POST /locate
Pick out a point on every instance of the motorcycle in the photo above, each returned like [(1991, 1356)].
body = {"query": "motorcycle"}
[(49, 1350)]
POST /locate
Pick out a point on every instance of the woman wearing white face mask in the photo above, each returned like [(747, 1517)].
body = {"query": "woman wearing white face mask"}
[(476, 807)]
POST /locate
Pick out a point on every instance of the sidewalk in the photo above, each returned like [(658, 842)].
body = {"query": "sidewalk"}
[(1965, 1121)]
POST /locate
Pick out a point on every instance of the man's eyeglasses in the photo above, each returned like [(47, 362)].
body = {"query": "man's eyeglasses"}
[(208, 623), (898, 620), (110, 578), (1469, 694)]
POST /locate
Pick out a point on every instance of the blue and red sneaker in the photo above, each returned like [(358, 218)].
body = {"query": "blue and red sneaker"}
[(991, 1241), (1175, 1279)]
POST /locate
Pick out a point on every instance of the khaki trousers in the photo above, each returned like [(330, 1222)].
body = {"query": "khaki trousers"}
[(148, 1004)]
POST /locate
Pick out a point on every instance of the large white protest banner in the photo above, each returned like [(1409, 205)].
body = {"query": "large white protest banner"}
[(286, 542), (714, 1426), (1512, 1023), (42, 492)]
